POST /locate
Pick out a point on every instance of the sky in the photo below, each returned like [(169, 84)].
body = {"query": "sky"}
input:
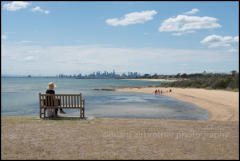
[(49, 38)]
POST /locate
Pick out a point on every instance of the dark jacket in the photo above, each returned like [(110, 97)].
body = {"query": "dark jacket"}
[(50, 91), (48, 98)]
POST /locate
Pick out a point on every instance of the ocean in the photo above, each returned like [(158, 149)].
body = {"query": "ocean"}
[(19, 97)]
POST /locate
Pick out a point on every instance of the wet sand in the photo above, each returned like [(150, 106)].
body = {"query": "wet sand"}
[(154, 80), (222, 105), (105, 138)]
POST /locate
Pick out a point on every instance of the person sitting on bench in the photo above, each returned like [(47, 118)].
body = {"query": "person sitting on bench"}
[(50, 90)]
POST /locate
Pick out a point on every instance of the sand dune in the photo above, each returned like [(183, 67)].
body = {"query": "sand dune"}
[(222, 105)]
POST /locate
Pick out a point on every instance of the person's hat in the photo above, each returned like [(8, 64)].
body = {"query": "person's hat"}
[(51, 85)]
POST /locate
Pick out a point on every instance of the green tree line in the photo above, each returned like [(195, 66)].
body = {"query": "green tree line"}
[(207, 80)]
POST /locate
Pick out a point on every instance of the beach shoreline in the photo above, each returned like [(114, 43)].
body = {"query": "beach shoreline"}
[(154, 80), (221, 105)]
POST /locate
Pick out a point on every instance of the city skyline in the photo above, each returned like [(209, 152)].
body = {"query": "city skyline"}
[(109, 74)]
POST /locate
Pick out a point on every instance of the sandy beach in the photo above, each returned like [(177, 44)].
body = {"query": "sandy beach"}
[(105, 138), (222, 105), (154, 80)]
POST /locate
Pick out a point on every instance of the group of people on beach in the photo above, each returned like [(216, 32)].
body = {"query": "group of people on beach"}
[(157, 91)]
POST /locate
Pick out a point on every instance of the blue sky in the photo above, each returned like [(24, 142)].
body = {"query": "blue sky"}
[(48, 38)]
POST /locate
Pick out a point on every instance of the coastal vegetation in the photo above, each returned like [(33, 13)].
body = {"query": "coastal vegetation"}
[(207, 80)]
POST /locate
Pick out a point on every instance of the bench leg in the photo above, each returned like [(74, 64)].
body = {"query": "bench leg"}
[(40, 112), (44, 113), (83, 109), (83, 113), (80, 113)]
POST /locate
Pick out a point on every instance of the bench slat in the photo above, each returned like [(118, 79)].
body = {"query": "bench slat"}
[(52, 99), (69, 103), (60, 94), (75, 100), (62, 103)]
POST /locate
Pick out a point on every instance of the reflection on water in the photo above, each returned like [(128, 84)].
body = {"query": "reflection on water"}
[(139, 105), (20, 97)]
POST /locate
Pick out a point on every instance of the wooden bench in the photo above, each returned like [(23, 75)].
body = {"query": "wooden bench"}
[(66, 101)]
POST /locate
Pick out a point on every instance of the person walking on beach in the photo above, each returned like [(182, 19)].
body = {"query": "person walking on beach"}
[(50, 90), (155, 91)]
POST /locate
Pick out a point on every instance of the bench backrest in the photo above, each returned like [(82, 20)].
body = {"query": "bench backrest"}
[(61, 100)]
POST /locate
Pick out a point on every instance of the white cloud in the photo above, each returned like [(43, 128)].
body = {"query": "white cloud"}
[(132, 18), (236, 39), (177, 34), (15, 5), (193, 11), (3, 37), (182, 33), (215, 41), (184, 23), (46, 12), (38, 9)]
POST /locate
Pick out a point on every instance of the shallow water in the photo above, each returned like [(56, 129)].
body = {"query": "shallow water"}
[(20, 97)]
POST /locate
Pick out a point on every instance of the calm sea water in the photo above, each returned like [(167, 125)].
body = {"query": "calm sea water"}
[(19, 97)]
